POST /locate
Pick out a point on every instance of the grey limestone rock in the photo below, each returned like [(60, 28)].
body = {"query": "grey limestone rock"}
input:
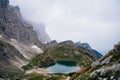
[(106, 61), (13, 26), (111, 72)]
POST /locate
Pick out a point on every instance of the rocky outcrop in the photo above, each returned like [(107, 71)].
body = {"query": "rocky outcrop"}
[(106, 68), (13, 26), (110, 66), (68, 42), (52, 43), (41, 32), (10, 59), (19, 43), (107, 73), (14, 55), (4, 3)]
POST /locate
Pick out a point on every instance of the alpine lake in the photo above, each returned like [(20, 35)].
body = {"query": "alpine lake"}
[(63, 67)]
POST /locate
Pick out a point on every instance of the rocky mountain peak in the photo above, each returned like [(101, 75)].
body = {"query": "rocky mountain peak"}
[(4, 3), (13, 26)]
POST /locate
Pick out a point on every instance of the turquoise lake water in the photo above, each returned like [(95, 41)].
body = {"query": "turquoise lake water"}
[(63, 67)]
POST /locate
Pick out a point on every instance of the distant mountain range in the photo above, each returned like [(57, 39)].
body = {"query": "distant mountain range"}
[(86, 45)]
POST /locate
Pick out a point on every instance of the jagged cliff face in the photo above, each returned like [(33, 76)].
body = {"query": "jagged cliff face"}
[(18, 41), (13, 55), (41, 32), (10, 59), (13, 26)]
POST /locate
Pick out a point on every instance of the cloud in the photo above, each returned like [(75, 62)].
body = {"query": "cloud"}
[(94, 21)]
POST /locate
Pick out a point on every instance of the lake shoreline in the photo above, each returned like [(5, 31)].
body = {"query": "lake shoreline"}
[(44, 71), (38, 71)]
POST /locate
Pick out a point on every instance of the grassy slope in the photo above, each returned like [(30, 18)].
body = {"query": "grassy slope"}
[(59, 52), (85, 73), (56, 53)]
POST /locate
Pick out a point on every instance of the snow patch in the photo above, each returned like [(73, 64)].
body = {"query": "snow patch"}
[(1, 36), (27, 51), (13, 40), (37, 49)]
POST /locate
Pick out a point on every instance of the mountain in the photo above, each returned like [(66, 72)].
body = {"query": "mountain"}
[(61, 51), (79, 44), (19, 43), (106, 68), (10, 59), (14, 55), (109, 65), (23, 49), (86, 45), (41, 32), (13, 26)]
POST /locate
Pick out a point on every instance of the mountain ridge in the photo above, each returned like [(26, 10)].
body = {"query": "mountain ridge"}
[(86, 45)]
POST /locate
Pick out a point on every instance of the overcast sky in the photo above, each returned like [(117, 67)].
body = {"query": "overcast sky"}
[(94, 21)]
